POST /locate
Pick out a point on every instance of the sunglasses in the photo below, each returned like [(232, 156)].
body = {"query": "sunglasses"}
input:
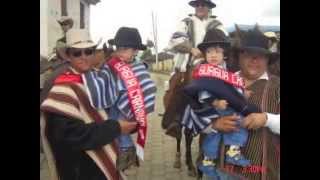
[(78, 53), (65, 23), (201, 5)]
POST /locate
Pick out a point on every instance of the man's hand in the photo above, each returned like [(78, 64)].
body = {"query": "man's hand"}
[(220, 104), (184, 47), (255, 120), (127, 127), (196, 53), (226, 123)]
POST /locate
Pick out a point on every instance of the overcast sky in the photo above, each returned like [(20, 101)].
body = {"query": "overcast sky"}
[(109, 15)]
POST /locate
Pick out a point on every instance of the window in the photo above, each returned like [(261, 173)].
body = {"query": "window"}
[(64, 11), (82, 24)]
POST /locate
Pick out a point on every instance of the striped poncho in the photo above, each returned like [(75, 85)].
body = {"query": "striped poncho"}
[(200, 118), (70, 99), (263, 146), (106, 89)]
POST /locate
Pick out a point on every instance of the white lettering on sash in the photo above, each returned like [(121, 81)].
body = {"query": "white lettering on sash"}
[(141, 134), (239, 81), (131, 83), (225, 75), (118, 65), (207, 70), (137, 102), (217, 72), (202, 70)]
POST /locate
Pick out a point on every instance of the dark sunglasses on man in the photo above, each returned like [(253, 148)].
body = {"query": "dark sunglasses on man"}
[(65, 23), (201, 5), (79, 52)]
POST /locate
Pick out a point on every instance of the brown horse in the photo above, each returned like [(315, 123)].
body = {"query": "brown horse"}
[(175, 103)]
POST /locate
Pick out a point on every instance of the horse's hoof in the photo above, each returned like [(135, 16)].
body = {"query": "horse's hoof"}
[(192, 172), (177, 162)]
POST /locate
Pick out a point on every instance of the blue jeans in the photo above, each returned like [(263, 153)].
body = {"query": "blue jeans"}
[(211, 142), (125, 141), (221, 176)]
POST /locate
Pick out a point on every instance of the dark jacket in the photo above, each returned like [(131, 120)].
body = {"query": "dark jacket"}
[(69, 138)]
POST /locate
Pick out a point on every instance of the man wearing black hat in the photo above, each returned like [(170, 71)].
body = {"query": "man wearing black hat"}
[(263, 146), (212, 86), (191, 32)]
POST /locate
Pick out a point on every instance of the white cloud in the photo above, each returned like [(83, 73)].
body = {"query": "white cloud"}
[(109, 15)]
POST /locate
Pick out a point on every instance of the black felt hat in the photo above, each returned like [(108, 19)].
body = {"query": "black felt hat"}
[(214, 37), (254, 41), (209, 3), (128, 37)]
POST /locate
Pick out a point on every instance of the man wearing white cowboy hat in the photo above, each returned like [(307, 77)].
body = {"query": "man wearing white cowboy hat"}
[(191, 32), (273, 46), (78, 139), (184, 41)]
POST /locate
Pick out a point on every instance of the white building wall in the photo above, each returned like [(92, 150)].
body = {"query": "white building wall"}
[(74, 12), (43, 28), (54, 30), (87, 14), (50, 30)]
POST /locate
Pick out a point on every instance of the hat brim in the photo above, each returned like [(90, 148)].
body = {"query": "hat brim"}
[(139, 46), (272, 56), (258, 50), (203, 46), (66, 20), (84, 45), (209, 4)]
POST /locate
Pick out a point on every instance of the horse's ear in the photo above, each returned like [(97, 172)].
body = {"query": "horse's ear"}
[(237, 27), (238, 31), (257, 28)]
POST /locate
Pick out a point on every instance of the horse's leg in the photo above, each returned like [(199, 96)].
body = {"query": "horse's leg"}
[(177, 162), (191, 169), (200, 157)]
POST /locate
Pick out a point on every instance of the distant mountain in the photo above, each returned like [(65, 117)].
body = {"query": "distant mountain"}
[(264, 28)]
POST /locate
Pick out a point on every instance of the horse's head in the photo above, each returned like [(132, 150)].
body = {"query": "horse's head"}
[(175, 102)]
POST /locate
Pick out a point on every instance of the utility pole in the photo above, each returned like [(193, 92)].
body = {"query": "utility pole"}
[(155, 37)]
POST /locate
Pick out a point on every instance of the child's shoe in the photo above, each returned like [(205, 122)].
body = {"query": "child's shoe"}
[(234, 156)]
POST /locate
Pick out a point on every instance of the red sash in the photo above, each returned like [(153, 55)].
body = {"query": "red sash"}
[(210, 70), (68, 77), (136, 100)]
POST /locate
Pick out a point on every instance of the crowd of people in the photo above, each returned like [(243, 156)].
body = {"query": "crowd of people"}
[(89, 113)]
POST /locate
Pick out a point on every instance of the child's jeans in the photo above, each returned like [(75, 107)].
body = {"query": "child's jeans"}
[(125, 141), (211, 142)]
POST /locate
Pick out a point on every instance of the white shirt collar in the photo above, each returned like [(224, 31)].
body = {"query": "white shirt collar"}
[(73, 70), (194, 17), (263, 76), (223, 65)]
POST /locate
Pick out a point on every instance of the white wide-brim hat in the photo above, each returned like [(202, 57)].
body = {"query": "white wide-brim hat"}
[(270, 34), (79, 38)]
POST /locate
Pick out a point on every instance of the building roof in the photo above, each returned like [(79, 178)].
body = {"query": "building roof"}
[(246, 27)]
